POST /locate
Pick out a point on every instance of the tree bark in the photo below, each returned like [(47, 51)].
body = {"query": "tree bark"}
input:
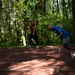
[(73, 12), (58, 5), (44, 7), (0, 6)]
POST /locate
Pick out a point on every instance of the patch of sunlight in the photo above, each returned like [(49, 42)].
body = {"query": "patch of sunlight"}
[(10, 48), (27, 64), (52, 47), (53, 56), (33, 52), (3, 62), (41, 72), (37, 67)]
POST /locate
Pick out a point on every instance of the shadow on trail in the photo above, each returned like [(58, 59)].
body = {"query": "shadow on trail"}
[(22, 61)]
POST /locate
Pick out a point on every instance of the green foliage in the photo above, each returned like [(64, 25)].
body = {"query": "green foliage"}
[(19, 13)]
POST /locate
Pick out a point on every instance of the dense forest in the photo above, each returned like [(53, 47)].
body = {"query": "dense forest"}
[(15, 16)]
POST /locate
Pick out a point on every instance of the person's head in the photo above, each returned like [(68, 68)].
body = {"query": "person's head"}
[(50, 27)]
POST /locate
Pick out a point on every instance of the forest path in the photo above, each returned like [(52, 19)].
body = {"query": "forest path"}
[(43, 61)]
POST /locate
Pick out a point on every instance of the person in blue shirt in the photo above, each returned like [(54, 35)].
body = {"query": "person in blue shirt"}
[(62, 34)]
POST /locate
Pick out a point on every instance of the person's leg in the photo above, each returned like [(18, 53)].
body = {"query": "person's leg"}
[(65, 43), (30, 41), (66, 46), (36, 39)]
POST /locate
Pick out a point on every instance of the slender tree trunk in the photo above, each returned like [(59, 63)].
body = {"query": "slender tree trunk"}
[(23, 22), (0, 6), (53, 6), (1, 30), (69, 10), (0, 13), (58, 5), (73, 11), (23, 34), (63, 6), (44, 7)]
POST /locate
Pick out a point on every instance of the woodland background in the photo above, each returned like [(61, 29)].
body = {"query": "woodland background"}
[(16, 14)]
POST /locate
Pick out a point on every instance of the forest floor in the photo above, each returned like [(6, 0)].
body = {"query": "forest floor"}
[(43, 61)]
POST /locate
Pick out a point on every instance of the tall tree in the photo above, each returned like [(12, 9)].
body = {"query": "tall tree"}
[(63, 7), (44, 7), (1, 28), (73, 11), (57, 5), (0, 9), (0, 6)]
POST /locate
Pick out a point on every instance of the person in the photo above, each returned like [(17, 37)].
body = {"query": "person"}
[(62, 34), (33, 34)]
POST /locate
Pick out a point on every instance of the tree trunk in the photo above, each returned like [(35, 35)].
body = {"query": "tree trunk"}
[(58, 5), (0, 12), (44, 7), (63, 8), (53, 7), (0, 6), (23, 35), (73, 12)]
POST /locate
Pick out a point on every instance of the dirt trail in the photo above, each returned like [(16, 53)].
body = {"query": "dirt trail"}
[(43, 61)]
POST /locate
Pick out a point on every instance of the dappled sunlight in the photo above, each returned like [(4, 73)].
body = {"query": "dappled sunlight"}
[(52, 47), (34, 52), (44, 61), (3, 62), (35, 67)]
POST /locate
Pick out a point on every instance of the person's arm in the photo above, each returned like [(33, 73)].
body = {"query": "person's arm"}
[(61, 33)]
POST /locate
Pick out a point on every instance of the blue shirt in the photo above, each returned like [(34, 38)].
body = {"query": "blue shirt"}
[(58, 30)]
